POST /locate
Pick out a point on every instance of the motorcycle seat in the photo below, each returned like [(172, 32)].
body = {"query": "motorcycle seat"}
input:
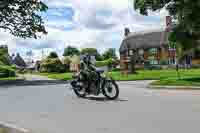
[(100, 71)]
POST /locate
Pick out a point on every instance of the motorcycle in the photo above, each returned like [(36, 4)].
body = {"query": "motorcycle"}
[(104, 85)]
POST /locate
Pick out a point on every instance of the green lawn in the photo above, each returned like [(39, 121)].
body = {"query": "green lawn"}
[(9, 78), (59, 76), (165, 77), (195, 81), (155, 74)]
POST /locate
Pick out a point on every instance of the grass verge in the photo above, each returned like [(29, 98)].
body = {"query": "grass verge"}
[(9, 78), (192, 81), (59, 76), (155, 74)]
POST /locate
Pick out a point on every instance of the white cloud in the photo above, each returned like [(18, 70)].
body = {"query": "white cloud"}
[(96, 23)]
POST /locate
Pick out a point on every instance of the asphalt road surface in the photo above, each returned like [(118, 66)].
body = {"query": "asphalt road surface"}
[(55, 109)]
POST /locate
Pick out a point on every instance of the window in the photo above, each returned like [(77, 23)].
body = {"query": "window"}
[(153, 56)]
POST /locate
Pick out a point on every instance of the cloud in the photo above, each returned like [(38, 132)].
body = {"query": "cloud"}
[(85, 23)]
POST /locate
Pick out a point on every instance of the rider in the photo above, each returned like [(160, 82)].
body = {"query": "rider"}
[(88, 70)]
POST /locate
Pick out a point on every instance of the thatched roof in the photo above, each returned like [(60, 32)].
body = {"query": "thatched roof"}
[(144, 40)]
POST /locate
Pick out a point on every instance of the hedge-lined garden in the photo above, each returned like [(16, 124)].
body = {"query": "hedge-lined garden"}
[(7, 71)]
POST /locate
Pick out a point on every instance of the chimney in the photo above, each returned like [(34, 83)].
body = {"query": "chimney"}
[(126, 32)]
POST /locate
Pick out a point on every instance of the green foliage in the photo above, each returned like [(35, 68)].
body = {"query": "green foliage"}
[(163, 62), (108, 62), (59, 76), (92, 52), (53, 55), (52, 65), (110, 53), (156, 74), (6, 71), (21, 17), (70, 51), (116, 69), (4, 56), (185, 15)]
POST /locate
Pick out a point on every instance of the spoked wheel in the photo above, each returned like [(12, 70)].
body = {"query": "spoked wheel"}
[(79, 91), (111, 90)]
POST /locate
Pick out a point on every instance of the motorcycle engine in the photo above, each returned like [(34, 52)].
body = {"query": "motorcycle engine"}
[(94, 89)]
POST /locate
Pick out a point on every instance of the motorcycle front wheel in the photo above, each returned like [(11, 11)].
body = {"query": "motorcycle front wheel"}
[(111, 90), (79, 91)]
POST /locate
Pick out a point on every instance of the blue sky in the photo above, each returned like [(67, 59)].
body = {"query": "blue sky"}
[(85, 23)]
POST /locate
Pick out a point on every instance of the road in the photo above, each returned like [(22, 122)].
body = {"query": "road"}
[(55, 109)]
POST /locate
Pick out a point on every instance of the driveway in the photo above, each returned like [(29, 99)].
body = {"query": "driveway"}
[(55, 109)]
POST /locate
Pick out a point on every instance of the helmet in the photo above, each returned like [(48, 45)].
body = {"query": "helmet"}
[(86, 58)]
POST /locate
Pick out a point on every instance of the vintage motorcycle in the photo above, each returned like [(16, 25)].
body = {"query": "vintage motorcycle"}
[(106, 86)]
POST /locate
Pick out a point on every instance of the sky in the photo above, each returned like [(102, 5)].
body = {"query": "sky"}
[(84, 23)]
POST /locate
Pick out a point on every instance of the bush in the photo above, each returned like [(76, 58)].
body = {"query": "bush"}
[(52, 65), (4, 60), (7, 71), (108, 62), (163, 62), (116, 69)]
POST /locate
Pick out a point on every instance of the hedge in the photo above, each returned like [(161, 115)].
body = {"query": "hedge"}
[(52, 65), (108, 62), (6, 71)]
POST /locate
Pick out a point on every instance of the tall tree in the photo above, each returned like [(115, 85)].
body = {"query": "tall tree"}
[(53, 55), (70, 51), (21, 17), (110, 53), (92, 52), (185, 14)]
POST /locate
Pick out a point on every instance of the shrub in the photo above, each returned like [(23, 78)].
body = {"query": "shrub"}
[(108, 62), (52, 65), (116, 69), (7, 71), (4, 60), (53, 55), (163, 62)]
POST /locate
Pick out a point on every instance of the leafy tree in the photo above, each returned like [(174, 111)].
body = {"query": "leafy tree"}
[(21, 17), (52, 65), (4, 56), (110, 53), (185, 14), (70, 51), (53, 55), (92, 52)]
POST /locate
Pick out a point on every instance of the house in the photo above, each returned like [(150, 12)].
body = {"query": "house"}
[(151, 47)]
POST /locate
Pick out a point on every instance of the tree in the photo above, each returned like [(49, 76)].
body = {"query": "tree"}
[(53, 55), (52, 65), (66, 62), (92, 52), (21, 17), (70, 51), (110, 53), (185, 15)]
